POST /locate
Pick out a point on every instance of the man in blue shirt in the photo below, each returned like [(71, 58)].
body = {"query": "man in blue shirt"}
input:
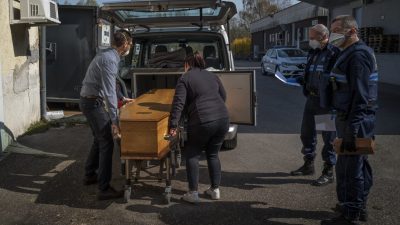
[(355, 100), (99, 86)]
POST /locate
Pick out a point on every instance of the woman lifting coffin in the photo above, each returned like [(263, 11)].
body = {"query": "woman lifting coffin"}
[(200, 94)]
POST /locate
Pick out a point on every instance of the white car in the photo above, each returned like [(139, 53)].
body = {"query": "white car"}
[(289, 61)]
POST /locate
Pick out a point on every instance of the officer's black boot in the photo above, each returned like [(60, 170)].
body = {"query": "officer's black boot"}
[(363, 213), (326, 177), (306, 169)]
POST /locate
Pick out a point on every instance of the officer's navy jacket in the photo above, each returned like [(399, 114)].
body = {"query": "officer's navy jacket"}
[(356, 77), (317, 73)]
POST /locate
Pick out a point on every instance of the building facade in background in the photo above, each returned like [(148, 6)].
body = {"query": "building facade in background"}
[(19, 77), (379, 28), (288, 27), (378, 20)]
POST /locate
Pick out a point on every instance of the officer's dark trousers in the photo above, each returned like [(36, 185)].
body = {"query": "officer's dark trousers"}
[(354, 174), (101, 152), (309, 134), (208, 137)]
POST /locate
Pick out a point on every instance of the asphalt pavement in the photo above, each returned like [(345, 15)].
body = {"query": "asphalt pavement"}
[(40, 180)]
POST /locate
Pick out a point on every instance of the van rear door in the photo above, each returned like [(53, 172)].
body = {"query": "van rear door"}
[(171, 13), (240, 87)]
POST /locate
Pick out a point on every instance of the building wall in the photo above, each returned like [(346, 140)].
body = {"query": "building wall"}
[(383, 13), (19, 76), (293, 34)]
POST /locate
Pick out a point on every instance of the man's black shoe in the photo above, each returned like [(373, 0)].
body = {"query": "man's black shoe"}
[(363, 213), (326, 177), (340, 220), (89, 180), (323, 180), (110, 193), (306, 169)]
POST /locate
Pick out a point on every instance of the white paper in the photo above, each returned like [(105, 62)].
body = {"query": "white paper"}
[(288, 81), (325, 122)]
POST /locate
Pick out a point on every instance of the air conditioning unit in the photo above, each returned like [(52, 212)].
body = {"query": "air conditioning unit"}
[(39, 12)]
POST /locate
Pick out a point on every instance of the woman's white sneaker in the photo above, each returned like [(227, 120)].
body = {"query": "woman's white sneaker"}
[(213, 193), (191, 197)]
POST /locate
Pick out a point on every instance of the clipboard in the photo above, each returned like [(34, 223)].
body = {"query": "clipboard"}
[(364, 146)]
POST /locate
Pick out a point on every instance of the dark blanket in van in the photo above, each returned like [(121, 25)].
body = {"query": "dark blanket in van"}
[(168, 59)]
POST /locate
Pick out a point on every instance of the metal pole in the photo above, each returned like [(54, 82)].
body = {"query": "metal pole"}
[(42, 65)]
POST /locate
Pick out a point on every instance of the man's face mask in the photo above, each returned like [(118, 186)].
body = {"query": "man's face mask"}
[(314, 44), (338, 39), (126, 52)]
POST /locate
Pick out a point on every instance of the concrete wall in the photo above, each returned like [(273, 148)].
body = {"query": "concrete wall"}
[(372, 14), (19, 76), (381, 13), (388, 65)]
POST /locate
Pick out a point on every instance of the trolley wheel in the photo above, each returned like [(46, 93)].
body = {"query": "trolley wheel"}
[(167, 194), (127, 193), (167, 198)]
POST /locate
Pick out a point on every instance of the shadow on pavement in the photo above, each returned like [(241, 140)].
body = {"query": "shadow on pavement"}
[(280, 108), (223, 212), (247, 181), (52, 168)]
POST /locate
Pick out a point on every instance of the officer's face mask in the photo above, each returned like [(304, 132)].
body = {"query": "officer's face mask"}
[(314, 44), (338, 39)]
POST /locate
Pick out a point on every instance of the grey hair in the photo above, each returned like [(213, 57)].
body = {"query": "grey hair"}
[(346, 21), (321, 29)]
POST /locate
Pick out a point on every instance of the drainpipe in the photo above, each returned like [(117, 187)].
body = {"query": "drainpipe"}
[(42, 66)]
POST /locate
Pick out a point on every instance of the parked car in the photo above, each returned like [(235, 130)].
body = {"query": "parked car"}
[(289, 61)]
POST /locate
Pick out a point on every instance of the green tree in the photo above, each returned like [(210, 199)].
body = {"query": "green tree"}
[(256, 9)]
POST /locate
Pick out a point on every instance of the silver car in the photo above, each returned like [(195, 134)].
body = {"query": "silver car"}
[(288, 61)]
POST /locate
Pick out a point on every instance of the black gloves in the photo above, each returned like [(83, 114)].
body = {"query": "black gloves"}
[(349, 142)]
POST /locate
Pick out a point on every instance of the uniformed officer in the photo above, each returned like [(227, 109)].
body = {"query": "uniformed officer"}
[(355, 99), (321, 59)]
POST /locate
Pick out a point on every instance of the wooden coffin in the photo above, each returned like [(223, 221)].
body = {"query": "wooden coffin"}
[(144, 123)]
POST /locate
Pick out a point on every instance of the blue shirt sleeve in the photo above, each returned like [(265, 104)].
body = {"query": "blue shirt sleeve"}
[(108, 75)]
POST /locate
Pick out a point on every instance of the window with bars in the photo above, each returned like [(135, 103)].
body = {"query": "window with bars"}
[(34, 10)]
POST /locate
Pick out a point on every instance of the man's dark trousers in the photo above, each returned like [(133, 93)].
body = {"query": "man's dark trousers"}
[(101, 152), (354, 173), (309, 133)]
